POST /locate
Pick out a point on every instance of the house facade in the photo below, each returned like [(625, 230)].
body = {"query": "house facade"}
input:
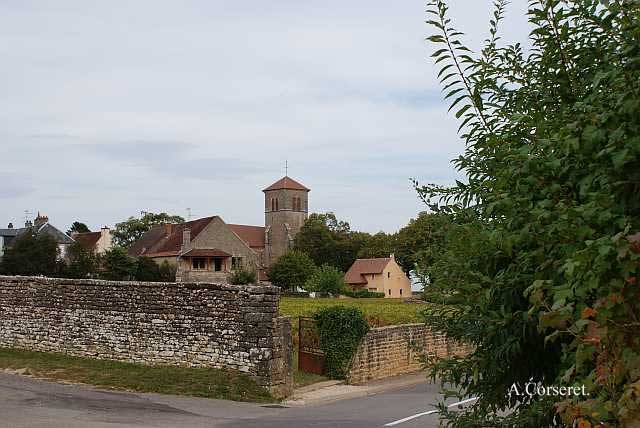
[(39, 226), (96, 242), (209, 249), (379, 275)]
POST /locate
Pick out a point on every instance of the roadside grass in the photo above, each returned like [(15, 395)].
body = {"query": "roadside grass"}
[(197, 382)]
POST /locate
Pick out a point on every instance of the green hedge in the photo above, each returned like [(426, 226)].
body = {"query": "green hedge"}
[(363, 294), (341, 329)]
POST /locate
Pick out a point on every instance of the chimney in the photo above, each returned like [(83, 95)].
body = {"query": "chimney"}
[(28, 223), (10, 226), (186, 237), (41, 219), (168, 229), (392, 256)]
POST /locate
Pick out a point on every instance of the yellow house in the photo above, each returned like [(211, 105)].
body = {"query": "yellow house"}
[(382, 275)]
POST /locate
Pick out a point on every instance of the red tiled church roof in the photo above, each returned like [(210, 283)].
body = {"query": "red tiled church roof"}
[(286, 183), (166, 239), (252, 235), (365, 266)]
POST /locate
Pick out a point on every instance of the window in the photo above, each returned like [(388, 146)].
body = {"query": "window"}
[(236, 263), (401, 291), (273, 204), (277, 204), (199, 263), (388, 274), (389, 292), (296, 204), (217, 264)]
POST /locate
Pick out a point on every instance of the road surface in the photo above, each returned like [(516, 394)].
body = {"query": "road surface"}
[(26, 402)]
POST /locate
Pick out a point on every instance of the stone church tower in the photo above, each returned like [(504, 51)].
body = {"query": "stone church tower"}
[(285, 211)]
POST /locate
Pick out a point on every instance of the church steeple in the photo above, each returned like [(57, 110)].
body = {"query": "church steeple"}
[(285, 207)]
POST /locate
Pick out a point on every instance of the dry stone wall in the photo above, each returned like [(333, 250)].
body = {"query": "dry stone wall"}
[(186, 324), (395, 350)]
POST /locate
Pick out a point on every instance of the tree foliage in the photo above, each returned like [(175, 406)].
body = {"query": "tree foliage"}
[(31, 254), (420, 242), (544, 280), (78, 227), (291, 270), (326, 280), (126, 232), (379, 245), (82, 263), (327, 240), (341, 328), (119, 266)]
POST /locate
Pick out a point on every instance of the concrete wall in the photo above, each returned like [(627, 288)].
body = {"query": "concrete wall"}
[(395, 350), (186, 324)]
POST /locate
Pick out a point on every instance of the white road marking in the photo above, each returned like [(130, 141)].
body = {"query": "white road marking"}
[(430, 412)]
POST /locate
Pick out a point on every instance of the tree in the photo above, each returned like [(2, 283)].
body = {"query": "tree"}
[(545, 276), (82, 263), (147, 270), (119, 266), (78, 227), (379, 245), (126, 232), (291, 270), (421, 241), (326, 240), (168, 272), (31, 254), (327, 280)]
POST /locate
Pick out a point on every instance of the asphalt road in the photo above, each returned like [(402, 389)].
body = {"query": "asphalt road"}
[(26, 402)]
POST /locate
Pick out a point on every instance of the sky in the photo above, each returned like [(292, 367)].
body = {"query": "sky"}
[(110, 108)]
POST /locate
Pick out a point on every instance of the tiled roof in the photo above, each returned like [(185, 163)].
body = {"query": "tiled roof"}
[(252, 235), (286, 183), (87, 240), (365, 266), (166, 240), (201, 252)]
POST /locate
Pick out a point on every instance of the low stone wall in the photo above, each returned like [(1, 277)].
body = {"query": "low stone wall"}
[(186, 324), (395, 350)]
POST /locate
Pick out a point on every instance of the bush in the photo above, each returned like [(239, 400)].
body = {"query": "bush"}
[(168, 272), (147, 270), (363, 294), (288, 293), (291, 270), (119, 266), (242, 277), (341, 329), (327, 280)]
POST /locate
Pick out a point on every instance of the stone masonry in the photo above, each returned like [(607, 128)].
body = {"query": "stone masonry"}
[(185, 324), (395, 350)]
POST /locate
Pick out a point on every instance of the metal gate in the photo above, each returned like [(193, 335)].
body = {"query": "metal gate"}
[(310, 356)]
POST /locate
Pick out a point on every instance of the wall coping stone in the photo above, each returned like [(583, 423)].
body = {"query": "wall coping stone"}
[(253, 289)]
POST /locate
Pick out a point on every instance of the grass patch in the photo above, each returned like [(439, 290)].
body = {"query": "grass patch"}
[(386, 311), (197, 382)]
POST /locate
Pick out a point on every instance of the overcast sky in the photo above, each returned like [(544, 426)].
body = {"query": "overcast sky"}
[(113, 107)]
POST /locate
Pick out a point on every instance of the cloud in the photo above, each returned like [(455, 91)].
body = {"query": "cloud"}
[(167, 105)]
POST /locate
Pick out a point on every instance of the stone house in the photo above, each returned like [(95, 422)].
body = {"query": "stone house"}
[(380, 275), (39, 226), (208, 249), (96, 242)]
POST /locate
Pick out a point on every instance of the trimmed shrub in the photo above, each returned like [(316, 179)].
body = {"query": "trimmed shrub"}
[(242, 277), (341, 328), (363, 294)]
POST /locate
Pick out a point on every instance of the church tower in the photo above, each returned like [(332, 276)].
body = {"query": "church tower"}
[(285, 211)]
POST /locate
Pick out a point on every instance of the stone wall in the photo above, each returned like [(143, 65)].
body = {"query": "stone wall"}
[(186, 324), (395, 350)]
